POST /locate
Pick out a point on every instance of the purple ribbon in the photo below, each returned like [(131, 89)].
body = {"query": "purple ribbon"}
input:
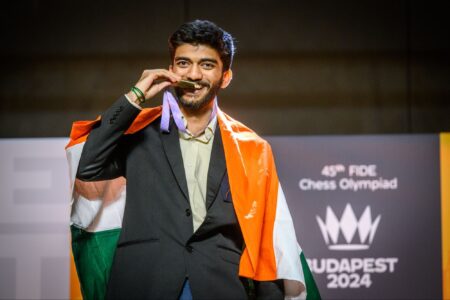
[(170, 104)]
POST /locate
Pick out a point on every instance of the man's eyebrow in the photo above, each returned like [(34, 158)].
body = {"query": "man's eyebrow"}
[(211, 60), (182, 58)]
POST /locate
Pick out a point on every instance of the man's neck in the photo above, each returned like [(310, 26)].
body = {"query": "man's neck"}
[(197, 120)]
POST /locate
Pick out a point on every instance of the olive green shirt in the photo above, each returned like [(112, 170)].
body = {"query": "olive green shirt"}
[(196, 152)]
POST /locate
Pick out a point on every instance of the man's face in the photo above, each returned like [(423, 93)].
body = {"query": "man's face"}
[(201, 64)]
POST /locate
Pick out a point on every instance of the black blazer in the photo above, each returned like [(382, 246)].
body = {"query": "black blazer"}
[(157, 248)]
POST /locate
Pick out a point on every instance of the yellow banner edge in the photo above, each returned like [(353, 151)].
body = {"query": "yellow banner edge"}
[(445, 212)]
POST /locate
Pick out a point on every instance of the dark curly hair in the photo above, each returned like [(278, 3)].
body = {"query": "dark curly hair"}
[(207, 33)]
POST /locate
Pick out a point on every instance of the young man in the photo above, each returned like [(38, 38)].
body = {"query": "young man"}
[(204, 216)]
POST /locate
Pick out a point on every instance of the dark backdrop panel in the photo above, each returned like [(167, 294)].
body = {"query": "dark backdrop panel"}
[(326, 67)]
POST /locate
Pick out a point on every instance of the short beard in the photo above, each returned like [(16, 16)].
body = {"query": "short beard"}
[(201, 103)]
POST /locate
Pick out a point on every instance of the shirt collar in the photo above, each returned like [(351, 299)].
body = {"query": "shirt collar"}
[(205, 136), (170, 107)]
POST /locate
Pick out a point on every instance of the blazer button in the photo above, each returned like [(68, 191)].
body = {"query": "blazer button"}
[(189, 248), (188, 212)]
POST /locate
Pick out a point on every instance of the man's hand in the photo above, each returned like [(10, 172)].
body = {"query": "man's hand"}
[(152, 82)]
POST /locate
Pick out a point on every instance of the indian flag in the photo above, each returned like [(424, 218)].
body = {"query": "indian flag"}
[(96, 220), (271, 252)]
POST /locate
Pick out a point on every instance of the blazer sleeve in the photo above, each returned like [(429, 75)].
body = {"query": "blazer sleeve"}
[(103, 155)]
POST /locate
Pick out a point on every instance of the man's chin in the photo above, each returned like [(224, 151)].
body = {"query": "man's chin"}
[(193, 103)]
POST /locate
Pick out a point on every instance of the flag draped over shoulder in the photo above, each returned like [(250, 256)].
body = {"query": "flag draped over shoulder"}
[(271, 251)]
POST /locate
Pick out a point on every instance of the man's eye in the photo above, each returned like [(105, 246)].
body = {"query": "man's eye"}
[(208, 66), (182, 63)]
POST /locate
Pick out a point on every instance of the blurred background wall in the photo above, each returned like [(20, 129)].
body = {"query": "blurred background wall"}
[(316, 67)]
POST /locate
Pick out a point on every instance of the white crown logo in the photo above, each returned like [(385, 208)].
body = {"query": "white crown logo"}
[(348, 225)]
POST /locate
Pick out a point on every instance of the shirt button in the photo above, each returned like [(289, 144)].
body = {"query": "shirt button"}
[(189, 248), (188, 212)]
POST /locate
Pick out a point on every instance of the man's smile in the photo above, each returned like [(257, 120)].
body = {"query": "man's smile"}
[(202, 88)]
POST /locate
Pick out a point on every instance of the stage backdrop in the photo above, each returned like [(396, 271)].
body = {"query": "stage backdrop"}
[(371, 213), (367, 211)]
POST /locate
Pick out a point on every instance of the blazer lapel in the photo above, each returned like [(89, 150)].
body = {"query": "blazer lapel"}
[(216, 170), (171, 144)]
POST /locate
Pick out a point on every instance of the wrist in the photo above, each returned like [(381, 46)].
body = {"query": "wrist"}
[(133, 99), (136, 96), (140, 96)]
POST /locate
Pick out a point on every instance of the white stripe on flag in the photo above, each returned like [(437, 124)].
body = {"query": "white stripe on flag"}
[(287, 250), (92, 215)]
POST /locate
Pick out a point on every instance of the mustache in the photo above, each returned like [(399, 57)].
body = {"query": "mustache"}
[(188, 84), (202, 83)]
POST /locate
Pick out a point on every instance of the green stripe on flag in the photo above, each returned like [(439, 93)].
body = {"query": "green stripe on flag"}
[(93, 253), (312, 292)]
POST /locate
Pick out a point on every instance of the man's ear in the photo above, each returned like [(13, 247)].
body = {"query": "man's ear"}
[(227, 76)]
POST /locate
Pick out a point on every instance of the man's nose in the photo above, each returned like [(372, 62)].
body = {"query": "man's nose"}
[(194, 73)]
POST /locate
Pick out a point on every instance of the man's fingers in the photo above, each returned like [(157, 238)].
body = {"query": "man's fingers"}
[(161, 74), (156, 88), (152, 77), (153, 81), (173, 77)]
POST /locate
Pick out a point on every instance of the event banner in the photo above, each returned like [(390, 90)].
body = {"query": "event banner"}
[(372, 214), (367, 212)]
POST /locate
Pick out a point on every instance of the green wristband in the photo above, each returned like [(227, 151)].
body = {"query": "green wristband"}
[(139, 94)]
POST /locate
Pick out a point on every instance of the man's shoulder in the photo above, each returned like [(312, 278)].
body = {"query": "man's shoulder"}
[(240, 131)]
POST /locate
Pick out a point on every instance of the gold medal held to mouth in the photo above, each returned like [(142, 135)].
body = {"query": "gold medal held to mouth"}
[(186, 84)]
